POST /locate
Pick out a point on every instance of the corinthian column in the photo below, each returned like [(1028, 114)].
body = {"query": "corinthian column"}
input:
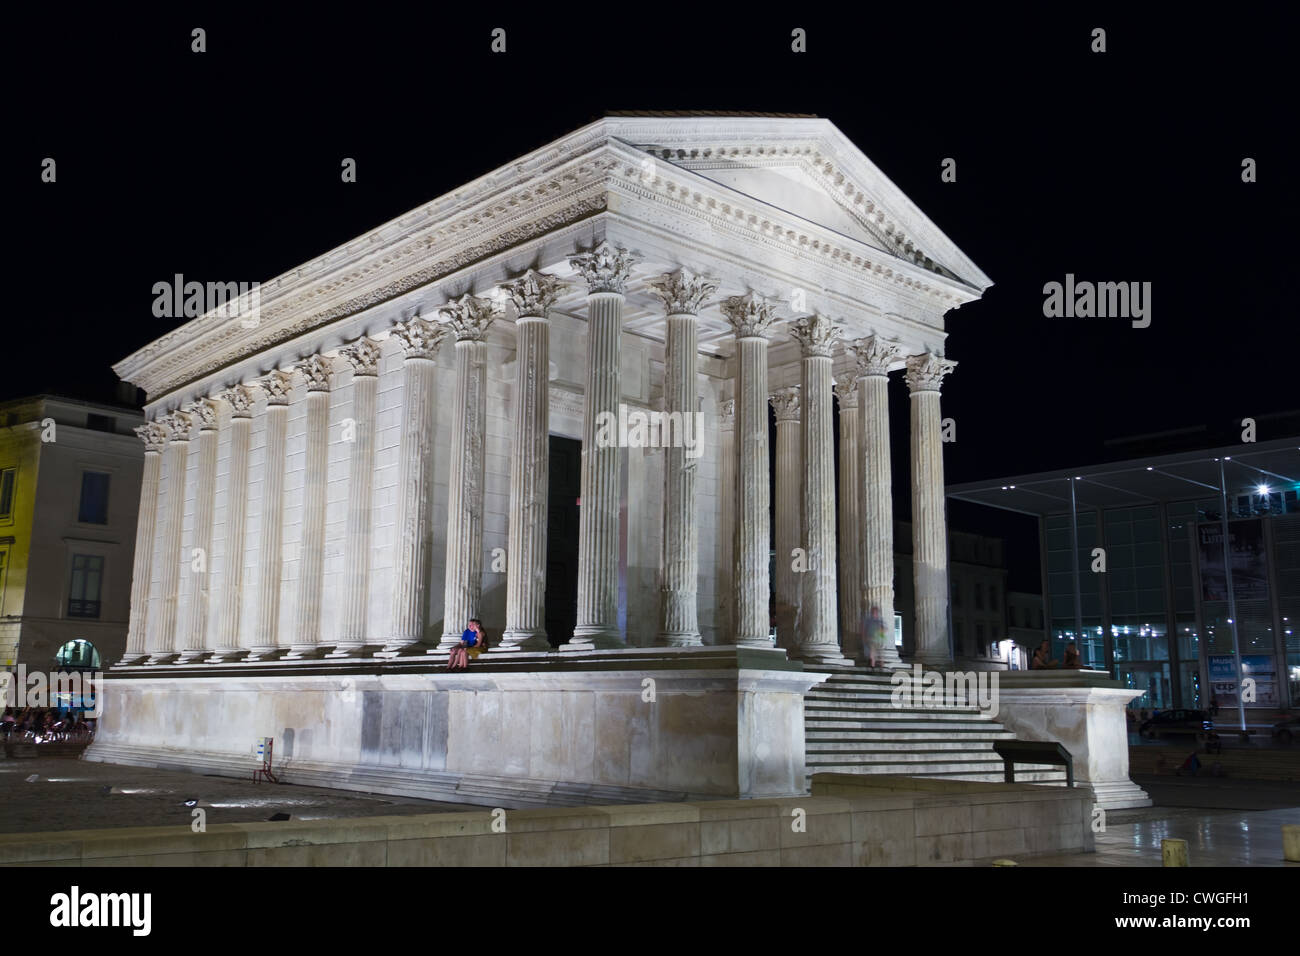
[(278, 386), (363, 357), (179, 427), (204, 413), (317, 370), (606, 269), (154, 437), (929, 527), (227, 644), (818, 634), (469, 317), (873, 356), (533, 294), (683, 293), (751, 316), (789, 482), (420, 338), (850, 539)]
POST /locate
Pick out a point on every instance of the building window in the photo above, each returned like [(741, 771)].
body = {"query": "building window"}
[(87, 581), (94, 498), (993, 597), (979, 596), (956, 593), (77, 655), (8, 477), (101, 423), (980, 643)]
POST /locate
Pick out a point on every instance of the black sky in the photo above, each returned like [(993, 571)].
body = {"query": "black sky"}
[(1122, 166)]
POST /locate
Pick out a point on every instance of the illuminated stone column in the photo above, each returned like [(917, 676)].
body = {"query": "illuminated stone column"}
[(751, 316), (199, 564), (849, 536), (228, 645), (469, 317), (789, 494), (318, 371), (873, 357), (154, 437), (925, 374), (818, 631), (270, 559), (176, 457), (353, 641), (605, 269), (420, 338), (533, 294), (683, 293), (726, 521)]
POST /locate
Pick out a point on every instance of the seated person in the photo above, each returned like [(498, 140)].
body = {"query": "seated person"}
[(472, 642), (1072, 658), (1042, 657)]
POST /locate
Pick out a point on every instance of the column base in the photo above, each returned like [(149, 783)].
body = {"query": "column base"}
[(227, 655), (168, 658), (132, 660), (679, 639), (354, 650), (306, 652), (822, 655), (413, 649), (593, 639), (523, 641), (265, 653)]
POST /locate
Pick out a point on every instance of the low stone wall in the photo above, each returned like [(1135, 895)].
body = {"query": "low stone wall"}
[(850, 820), (635, 725)]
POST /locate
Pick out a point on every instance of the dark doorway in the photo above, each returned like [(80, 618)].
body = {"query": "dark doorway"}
[(562, 540)]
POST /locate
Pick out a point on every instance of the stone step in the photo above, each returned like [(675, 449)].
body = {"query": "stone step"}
[(862, 730), (940, 718), (885, 703), (867, 742)]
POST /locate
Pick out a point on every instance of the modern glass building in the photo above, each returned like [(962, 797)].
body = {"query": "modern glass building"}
[(1137, 572)]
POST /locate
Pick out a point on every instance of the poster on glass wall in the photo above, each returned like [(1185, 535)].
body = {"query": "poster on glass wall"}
[(1249, 565), (1258, 668)]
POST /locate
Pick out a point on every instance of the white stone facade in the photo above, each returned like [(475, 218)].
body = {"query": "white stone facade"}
[(781, 218)]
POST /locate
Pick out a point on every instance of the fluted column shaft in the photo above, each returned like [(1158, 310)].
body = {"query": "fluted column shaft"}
[(818, 633), (598, 525), (850, 538), (786, 581), (753, 533), (229, 643), (929, 525), (266, 641), (679, 561), (352, 639), (470, 317), (176, 460), (205, 499), (145, 529), (726, 519), (311, 567), (415, 482), (874, 356)]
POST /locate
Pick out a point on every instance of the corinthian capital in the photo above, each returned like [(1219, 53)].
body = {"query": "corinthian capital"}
[(178, 425), (153, 435), (751, 315), (362, 356), (469, 317), (816, 334), (241, 400), (873, 355), (785, 402), (925, 372), (605, 268), (847, 392), (316, 369), (419, 337), (533, 293), (204, 414), (683, 291), (278, 387)]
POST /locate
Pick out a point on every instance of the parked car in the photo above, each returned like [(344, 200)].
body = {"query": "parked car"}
[(1177, 722), (1287, 730)]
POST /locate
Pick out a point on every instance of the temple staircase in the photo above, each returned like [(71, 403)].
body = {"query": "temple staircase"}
[(852, 726)]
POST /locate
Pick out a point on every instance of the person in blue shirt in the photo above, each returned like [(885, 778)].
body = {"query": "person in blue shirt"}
[(458, 659)]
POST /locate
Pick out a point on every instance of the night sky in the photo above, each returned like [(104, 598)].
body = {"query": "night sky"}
[(1119, 166)]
